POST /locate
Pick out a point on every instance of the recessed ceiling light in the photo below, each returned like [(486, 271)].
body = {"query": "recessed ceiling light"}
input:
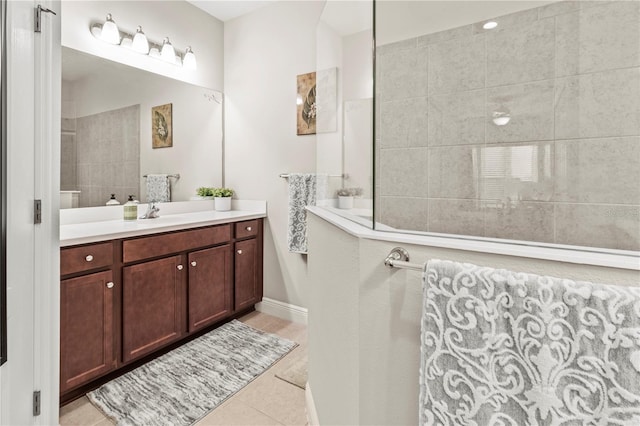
[(490, 25)]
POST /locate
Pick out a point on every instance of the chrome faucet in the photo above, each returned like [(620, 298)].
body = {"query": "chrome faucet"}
[(152, 211)]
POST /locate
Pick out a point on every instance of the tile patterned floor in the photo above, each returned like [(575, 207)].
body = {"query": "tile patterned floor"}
[(265, 401)]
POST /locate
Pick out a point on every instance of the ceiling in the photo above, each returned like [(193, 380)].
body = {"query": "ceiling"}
[(226, 10)]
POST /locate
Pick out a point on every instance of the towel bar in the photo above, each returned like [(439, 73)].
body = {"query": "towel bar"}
[(177, 176), (399, 258), (286, 176)]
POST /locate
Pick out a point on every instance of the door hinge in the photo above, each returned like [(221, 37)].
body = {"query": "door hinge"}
[(36, 403), (37, 211), (38, 17)]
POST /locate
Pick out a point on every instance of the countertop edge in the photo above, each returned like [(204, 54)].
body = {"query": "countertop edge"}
[(128, 233)]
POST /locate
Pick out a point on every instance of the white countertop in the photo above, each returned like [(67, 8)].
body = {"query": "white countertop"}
[(103, 230)]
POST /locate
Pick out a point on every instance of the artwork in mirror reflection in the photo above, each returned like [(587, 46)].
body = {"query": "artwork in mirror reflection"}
[(526, 131), (107, 137)]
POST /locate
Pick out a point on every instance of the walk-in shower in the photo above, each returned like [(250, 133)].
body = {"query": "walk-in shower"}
[(510, 120)]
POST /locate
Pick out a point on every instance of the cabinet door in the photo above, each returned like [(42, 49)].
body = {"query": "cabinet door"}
[(86, 328), (210, 286), (248, 284), (153, 306)]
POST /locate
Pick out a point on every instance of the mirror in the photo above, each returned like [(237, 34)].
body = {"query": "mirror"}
[(106, 145), (344, 33)]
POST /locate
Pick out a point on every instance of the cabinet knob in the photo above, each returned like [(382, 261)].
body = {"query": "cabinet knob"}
[(88, 258), (110, 284), (248, 228), (193, 263), (239, 251), (180, 267)]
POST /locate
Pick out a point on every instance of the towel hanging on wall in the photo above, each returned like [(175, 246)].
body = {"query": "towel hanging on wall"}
[(303, 190), (500, 347), (158, 188)]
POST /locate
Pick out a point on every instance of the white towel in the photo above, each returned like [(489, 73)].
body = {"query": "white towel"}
[(500, 347), (158, 188), (303, 190)]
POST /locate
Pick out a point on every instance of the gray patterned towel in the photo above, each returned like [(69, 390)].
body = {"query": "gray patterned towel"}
[(303, 191), (507, 348), (158, 188)]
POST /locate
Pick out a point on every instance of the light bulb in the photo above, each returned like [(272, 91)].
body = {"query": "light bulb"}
[(110, 32), (140, 43), (490, 25), (168, 54), (501, 117), (189, 60)]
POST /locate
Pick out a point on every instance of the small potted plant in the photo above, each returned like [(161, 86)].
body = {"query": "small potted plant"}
[(345, 197), (222, 199), (205, 193)]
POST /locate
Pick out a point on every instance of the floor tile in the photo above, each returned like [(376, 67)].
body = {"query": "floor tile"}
[(80, 412), (235, 412), (276, 398)]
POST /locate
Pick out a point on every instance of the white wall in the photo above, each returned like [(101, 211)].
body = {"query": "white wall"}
[(364, 321), (264, 52), (183, 23)]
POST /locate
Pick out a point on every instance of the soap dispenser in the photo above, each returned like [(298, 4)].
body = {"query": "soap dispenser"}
[(130, 209), (112, 201)]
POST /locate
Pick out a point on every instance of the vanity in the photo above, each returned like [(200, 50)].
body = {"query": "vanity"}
[(130, 291)]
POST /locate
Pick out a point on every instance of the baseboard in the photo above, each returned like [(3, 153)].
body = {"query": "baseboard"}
[(312, 414), (283, 310)]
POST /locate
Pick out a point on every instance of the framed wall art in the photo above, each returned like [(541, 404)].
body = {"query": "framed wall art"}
[(162, 126), (306, 101)]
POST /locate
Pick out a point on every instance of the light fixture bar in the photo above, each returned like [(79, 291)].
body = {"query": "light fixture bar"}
[(138, 42)]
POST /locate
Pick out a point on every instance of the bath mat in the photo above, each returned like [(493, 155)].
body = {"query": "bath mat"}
[(184, 385), (296, 373)]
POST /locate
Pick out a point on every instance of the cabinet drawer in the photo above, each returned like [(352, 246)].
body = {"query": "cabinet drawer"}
[(85, 258), (160, 245), (245, 229)]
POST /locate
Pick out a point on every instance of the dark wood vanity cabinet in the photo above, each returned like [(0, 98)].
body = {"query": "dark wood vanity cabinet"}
[(152, 306), (248, 264), (210, 286), (124, 299), (86, 328)]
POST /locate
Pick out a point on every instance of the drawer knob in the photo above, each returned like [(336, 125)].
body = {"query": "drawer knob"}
[(110, 284), (180, 267), (193, 263), (248, 228), (89, 258), (239, 252)]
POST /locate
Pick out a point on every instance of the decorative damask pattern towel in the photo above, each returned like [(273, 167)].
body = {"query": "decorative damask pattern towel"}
[(507, 348), (303, 190), (158, 188)]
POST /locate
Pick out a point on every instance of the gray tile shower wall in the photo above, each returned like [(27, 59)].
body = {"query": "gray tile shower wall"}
[(565, 169), (68, 169), (108, 155)]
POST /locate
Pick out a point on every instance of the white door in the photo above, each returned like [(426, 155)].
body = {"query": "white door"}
[(32, 289)]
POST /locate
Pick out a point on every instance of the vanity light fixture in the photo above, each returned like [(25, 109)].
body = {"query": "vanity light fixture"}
[(110, 32), (489, 25), (189, 59), (168, 53), (138, 42)]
